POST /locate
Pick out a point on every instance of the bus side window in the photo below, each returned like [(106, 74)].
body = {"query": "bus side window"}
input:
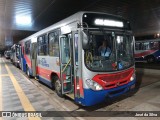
[(155, 45), (42, 45), (146, 46), (27, 47), (141, 46), (137, 46), (53, 44), (65, 50)]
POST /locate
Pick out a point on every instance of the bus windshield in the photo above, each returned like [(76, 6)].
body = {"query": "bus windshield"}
[(109, 52)]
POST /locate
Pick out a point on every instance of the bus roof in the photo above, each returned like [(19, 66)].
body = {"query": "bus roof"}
[(75, 17), (151, 40)]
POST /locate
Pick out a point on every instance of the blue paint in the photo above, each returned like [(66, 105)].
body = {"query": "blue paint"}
[(94, 97), (43, 62), (24, 64), (156, 55), (45, 81)]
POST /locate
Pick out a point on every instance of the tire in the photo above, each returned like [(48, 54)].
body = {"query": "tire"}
[(150, 59), (53, 78), (58, 88), (27, 72)]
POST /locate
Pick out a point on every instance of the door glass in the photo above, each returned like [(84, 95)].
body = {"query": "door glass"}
[(65, 50), (66, 65), (76, 48)]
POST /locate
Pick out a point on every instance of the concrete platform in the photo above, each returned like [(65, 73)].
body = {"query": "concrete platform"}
[(18, 93)]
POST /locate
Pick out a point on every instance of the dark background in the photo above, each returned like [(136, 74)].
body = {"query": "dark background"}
[(144, 15)]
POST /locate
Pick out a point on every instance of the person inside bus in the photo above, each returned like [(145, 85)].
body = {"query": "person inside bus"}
[(104, 49)]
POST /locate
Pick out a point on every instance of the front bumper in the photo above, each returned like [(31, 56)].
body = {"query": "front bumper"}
[(93, 97)]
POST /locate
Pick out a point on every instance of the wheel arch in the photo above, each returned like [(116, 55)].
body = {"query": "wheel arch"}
[(53, 77)]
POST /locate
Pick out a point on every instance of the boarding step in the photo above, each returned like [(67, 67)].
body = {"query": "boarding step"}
[(70, 95)]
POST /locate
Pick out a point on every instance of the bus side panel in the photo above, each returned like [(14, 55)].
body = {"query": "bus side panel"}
[(46, 66), (157, 55), (22, 59), (27, 63), (45, 81), (24, 64), (44, 75), (141, 55)]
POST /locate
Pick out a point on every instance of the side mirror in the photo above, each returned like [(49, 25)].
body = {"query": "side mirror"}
[(85, 40)]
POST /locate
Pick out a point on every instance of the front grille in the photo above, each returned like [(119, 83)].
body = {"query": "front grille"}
[(113, 80), (123, 82), (118, 76), (110, 86)]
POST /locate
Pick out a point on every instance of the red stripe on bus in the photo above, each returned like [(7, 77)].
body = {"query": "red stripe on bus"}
[(75, 87), (46, 73), (145, 53), (81, 88), (28, 61)]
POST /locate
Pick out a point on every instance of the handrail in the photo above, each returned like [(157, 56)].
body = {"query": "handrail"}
[(66, 65)]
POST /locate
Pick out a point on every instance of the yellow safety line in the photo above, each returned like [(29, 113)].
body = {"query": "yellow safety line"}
[(0, 89), (3, 75), (23, 98)]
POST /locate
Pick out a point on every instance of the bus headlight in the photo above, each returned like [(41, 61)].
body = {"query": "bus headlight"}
[(93, 85), (132, 77)]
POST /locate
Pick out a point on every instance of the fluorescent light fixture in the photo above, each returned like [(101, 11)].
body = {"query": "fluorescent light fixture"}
[(23, 20), (107, 22)]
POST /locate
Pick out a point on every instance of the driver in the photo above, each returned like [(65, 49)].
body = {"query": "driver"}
[(104, 49)]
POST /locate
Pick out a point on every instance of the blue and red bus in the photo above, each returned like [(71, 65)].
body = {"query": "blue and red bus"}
[(14, 55), (66, 57), (147, 50)]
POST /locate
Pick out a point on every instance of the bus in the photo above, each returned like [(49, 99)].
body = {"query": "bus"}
[(147, 50), (14, 55), (7, 54), (66, 57)]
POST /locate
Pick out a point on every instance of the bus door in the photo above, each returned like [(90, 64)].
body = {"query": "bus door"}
[(66, 67), (20, 57), (34, 58), (76, 68), (69, 64)]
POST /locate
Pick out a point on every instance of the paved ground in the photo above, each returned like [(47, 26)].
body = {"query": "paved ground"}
[(18, 93), (148, 65)]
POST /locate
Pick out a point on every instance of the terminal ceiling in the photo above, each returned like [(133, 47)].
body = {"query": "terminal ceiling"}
[(144, 15)]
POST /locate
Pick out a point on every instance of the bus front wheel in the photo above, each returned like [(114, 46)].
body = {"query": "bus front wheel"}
[(58, 88)]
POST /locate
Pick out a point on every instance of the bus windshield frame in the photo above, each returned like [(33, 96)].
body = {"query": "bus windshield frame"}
[(121, 54)]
